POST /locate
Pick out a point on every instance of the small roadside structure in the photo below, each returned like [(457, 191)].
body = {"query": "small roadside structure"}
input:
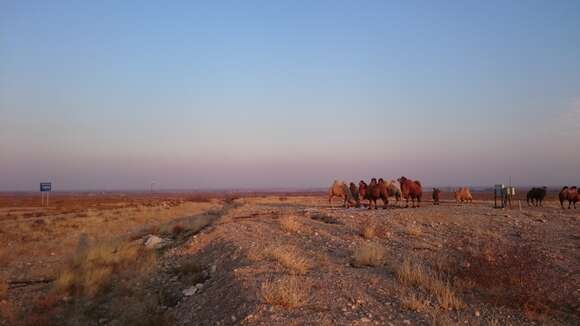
[(502, 196)]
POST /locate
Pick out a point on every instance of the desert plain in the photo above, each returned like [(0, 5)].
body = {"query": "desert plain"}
[(284, 259)]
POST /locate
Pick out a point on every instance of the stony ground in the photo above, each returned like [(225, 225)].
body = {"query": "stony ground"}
[(336, 292), (295, 260)]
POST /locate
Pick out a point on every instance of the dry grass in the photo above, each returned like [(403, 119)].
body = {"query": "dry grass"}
[(416, 274), (291, 258), (369, 254), (414, 230), (413, 302), (369, 231), (289, 223), (493, 322), (93, 267), (288, 292)]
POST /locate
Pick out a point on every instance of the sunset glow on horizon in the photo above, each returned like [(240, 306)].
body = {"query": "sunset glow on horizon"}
[(260, 94)]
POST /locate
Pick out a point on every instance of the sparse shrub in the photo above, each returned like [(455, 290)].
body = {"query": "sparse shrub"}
[(290, 258), (289, 223), (414, 230), (411, 273), (369, 231), (288, 292), (413, 302), (445, 294), (92, 267), (369, 254), (283, 198), (416, 274)]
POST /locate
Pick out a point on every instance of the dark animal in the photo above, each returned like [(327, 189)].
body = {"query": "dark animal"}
[(362, 190), (436, 193), (340, 189), (377, 190), (373, 191), (411, 190), (536, 196)]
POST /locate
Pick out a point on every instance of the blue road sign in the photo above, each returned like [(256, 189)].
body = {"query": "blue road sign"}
[(45, 186)]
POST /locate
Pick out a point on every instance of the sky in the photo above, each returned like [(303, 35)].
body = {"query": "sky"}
[(112, 95)]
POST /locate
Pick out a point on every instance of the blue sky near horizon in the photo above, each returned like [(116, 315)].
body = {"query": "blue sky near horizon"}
[(112, 95)]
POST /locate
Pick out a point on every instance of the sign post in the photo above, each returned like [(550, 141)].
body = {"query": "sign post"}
[(45, 187)]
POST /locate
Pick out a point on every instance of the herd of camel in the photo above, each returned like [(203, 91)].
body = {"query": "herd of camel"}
[(408, 189), (403, 188)]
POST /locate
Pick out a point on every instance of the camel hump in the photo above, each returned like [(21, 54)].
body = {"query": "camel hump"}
[(418, 182)]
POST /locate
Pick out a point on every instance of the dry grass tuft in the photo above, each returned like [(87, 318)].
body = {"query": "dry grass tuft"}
[(368, 231), (288, 292), (290, 258), (92, 268), (369, 254), (289, 223), (413, 302), (416, 274), (411, 273), (414, 230)]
